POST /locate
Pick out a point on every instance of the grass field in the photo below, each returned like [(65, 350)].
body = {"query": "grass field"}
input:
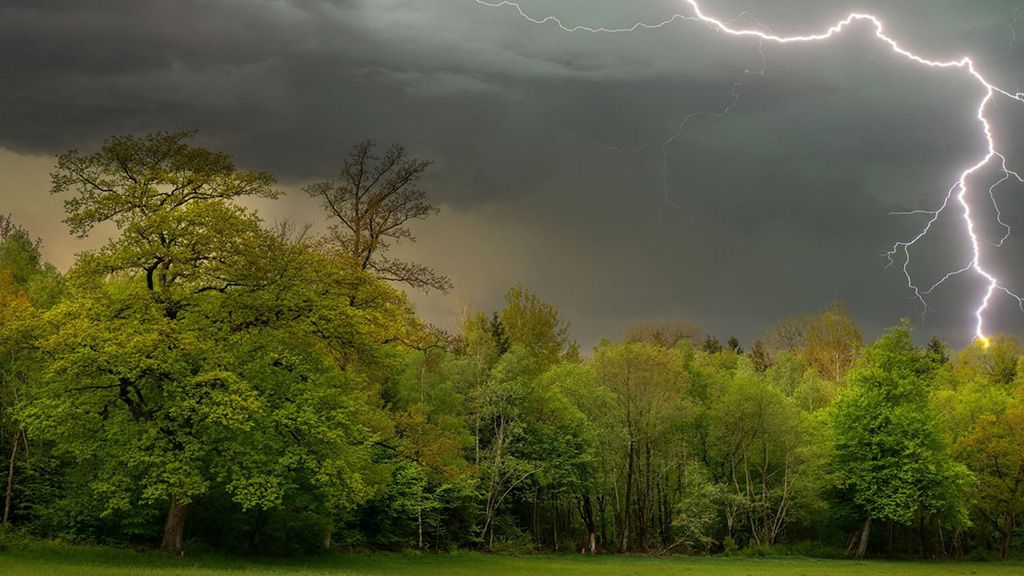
[(109, 562)]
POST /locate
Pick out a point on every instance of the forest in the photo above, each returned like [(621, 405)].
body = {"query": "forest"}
[(209, 380)]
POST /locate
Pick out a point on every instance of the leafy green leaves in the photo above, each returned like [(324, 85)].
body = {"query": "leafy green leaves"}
[(889, 453)]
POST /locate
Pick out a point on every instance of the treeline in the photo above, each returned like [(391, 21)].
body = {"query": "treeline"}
[(204, 380)]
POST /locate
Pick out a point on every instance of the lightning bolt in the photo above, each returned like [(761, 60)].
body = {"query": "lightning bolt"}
[(959, 194)]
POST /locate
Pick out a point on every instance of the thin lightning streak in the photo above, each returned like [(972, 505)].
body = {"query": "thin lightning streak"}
[(720, 114), (999, 214), (1013, 26), (1007, 174), (664, 143), (553, 20), (960, 190)]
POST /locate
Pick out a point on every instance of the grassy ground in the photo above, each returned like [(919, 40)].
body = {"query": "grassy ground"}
[(109, 562)]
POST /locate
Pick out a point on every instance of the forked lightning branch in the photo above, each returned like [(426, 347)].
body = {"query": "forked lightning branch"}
[(962, 195)]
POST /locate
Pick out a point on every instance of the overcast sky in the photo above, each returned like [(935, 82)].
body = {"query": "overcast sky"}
[(776, 209)]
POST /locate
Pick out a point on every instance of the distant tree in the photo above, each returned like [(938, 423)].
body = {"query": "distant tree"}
[(534, 325), (664, 334), (828, 342), (477, 341), (832, 342), (733, 345), (372, 202), (760, 356), (711, 345), (937, 351), (789, 335), (889, 453), (497, 329)]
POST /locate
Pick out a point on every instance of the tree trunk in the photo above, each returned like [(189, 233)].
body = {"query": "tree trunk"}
[(1006, 535), (10, 480), (257, 531), (588, 520), (535, 527), (862, 549), (923, 536), (627, 502), (554, 525), (174, 527)]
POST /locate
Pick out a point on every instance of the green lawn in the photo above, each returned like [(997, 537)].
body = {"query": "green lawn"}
[(106, 562)]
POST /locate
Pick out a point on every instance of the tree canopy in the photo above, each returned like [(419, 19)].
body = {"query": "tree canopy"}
[(204, 379)]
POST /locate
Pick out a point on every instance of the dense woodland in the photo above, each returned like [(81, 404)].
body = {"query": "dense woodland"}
[(209, 380)]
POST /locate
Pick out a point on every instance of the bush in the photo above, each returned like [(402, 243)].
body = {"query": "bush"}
[(811, 549), (513, 542), (729, 546), (759, 551)]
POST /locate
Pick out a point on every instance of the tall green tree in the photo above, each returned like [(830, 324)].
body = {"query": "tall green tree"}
[(502, 404), (984, 408), (766, 450), (649, 387), (995, 358), (172, 204), (198, 351), (889, 452), (534, 325), (28, 286), (832, 342), (994, 450)]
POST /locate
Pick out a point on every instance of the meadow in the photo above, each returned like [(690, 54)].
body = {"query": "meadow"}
[(113, 562)]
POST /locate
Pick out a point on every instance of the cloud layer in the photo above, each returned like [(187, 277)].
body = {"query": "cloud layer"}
[(776, 209)]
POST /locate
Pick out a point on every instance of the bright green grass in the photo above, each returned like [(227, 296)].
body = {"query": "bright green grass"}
[(108, 562)]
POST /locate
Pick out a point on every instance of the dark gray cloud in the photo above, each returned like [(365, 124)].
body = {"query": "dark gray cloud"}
[(776, 209)]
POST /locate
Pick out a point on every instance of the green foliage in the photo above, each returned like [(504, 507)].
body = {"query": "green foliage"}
[(696, 512), (534, 325), (889, 452), (20, 257), (832, 342), (198, 352), (995, 359), (768, 454), (236, 388)]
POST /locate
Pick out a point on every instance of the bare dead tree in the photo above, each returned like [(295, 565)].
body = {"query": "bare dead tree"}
[(372, 203)]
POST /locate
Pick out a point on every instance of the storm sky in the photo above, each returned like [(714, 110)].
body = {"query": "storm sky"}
[(538, 136)]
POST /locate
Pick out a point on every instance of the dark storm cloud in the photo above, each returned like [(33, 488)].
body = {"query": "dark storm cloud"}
[(776, 209)]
